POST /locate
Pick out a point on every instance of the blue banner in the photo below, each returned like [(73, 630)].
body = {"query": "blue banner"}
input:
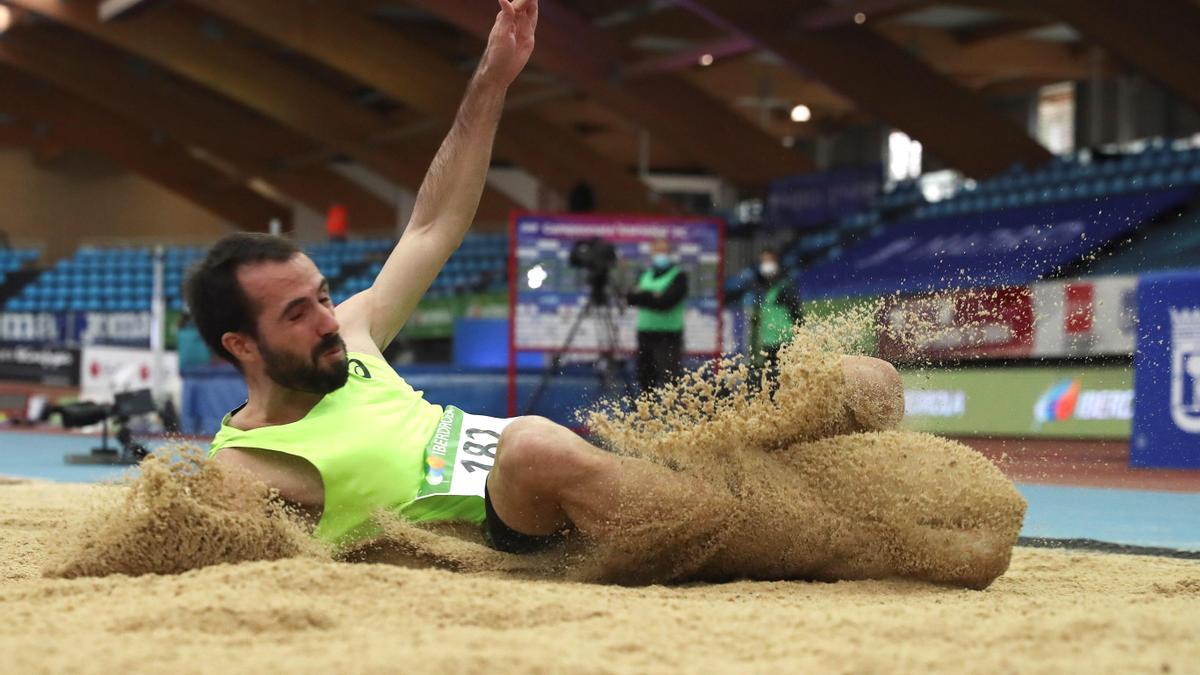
[(75, 329), (1166, 404), (997, 248), (816, 198)]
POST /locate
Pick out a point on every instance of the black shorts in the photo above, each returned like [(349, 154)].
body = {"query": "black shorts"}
[(503, 538)]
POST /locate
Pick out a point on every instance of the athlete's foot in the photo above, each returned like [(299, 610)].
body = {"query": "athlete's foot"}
[(874, 394), (969, 558)]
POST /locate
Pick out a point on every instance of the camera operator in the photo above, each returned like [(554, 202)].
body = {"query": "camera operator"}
[(659, 297)]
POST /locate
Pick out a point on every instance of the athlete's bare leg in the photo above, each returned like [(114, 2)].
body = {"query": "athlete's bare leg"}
[(876, 509), (547, 478)]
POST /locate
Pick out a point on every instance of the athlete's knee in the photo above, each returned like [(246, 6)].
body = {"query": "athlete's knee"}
[(538, 452), (876, 393)]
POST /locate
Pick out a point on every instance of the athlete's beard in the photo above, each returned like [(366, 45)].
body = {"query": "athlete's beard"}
[(309, 376)]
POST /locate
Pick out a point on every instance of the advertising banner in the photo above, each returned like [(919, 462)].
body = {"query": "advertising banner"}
[(105, 371), (549, 293), (33, 327), (1021, 402), (1166, 429), (957, 324), (816, 198), (1085, 317), (130, 329), (50, 365)]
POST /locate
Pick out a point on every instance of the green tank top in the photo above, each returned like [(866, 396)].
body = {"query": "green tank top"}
[(670, 320), (367, 440)]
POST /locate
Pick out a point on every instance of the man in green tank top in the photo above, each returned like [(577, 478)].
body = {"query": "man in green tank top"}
[(332, 427), (659, 296)]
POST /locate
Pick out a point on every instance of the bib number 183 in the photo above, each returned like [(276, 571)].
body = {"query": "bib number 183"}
[(479, 449)]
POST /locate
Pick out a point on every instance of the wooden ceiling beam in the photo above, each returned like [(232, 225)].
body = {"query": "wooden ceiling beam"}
[(888, 83), (1158, 37), (76, 123), (111, 10), (403, 70), (253, 145), (174, 36), (874, 10), (997, 57), (672, 109), (1000, 30), (1031, 10), (717, 50)]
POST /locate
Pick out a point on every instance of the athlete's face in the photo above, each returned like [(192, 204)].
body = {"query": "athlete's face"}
[(298, 345)]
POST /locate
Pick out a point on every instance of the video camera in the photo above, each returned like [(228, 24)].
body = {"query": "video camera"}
[(597, 258), (124, 406)]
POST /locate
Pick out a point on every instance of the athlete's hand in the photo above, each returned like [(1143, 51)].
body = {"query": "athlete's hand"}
[(510, 42)]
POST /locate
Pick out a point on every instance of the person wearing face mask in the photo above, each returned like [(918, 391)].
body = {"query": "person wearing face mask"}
[(659, 297), (775, 310)]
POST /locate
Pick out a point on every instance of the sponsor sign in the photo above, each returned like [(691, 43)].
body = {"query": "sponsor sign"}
[(957, 324), (1066, 400), (1185, 368), (50, 365), (114, 328), (105, 371), (1021, 402), (40, 327), (77, 328), (1085, 317), (1166, 429), (935, 402)]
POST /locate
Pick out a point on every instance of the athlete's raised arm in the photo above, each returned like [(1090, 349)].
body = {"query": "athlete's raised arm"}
[(449, 194)]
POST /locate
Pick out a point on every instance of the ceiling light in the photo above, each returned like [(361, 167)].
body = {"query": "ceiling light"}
[(5, 18), (706, 59), (860, 18), (801, 113)]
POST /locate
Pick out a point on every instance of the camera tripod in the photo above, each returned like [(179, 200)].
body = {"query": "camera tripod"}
[(599, 306), (129, 452)]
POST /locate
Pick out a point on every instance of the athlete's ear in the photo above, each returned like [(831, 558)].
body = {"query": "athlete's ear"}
[(240, 345)]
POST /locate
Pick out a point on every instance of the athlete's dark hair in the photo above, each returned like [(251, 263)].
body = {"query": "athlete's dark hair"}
[(214, 296)]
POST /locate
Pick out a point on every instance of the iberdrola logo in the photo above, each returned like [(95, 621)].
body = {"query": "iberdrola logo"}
[(1058, 402), (437, 470)]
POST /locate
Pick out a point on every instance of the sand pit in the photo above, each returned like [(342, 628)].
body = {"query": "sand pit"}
[(1052, 611), (194, 569)]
